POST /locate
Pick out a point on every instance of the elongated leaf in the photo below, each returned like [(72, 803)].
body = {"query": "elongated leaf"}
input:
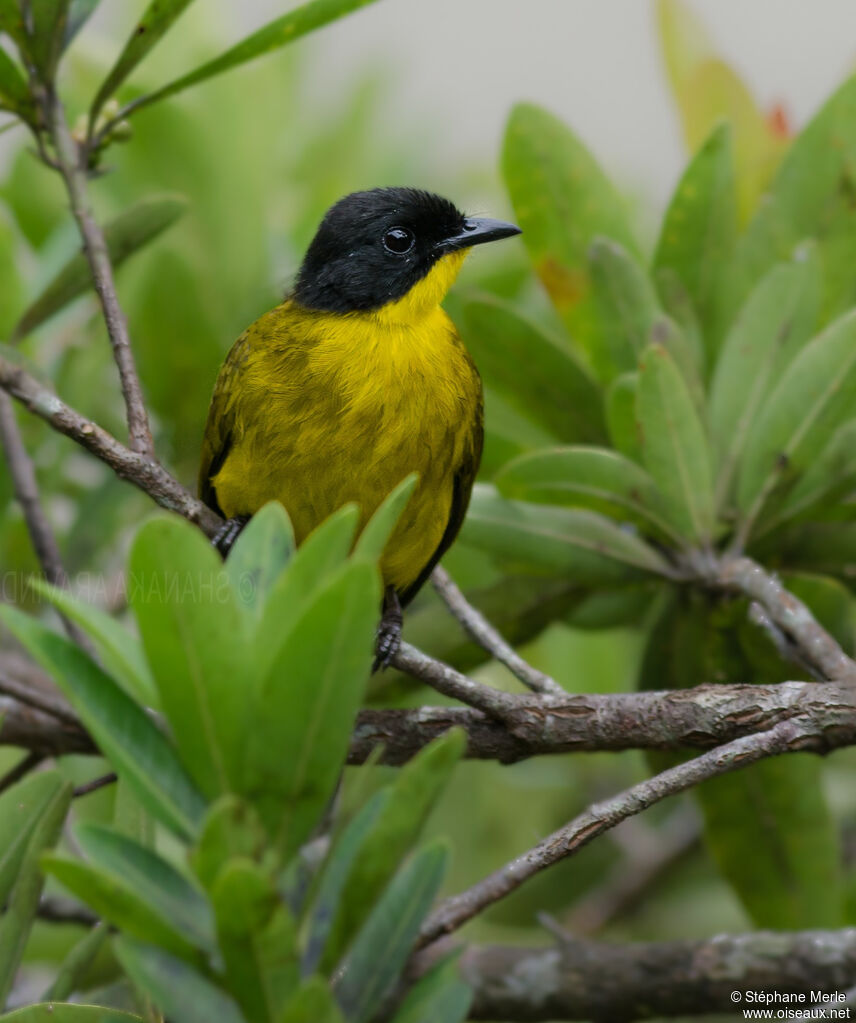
[(12, 23), (621, 416), (181, 992), (79, 13), (276, 34), (595, 478), (262, 551), (14, 95), (156, 881), (193, 634), (776, 320), (125, 234), (231, 829), (385, 941), (118, 650), (548, 539), (562, 199), (307, 703), (439, 995), (49, 20), (405, 809), (21, 808), (57, 1012), (136, 748), (73, 969), (381, 525), (700, 225), (20, 911), (534, 371), (258, 939), (816, 395), (313, 1001), (119, 903), (674, 445), (156, 21)]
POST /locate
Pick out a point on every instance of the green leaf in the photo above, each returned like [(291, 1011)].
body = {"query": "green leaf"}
[(549, 539), (179, 991), (117, 901), (700, 225), (193, 634), (118, 649), (825, 547), (14, 95), (313, 1003), (595, 478), (674, 445), (439, 995), (534, 371), (156, 21), (21, 807), (49, 20), (12, 23), (384, 943), (403, 813), (276, 34), (621, 416), (57, 1012), (258, 939), (562, 200), (76, 964), (156, 881), (381, 525), (137, 750), (231, 829), (815, 396), (125, 234), (79, 13), (263, 549), (20, 912), (775, 322), (304, 707)]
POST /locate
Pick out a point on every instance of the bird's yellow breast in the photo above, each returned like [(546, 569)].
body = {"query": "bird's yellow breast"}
[(327, 408)]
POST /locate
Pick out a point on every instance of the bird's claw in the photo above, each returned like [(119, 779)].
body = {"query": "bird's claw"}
[(387, 643), (225, 537)]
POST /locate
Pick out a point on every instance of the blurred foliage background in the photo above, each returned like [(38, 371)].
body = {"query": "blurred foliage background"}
[(258, 166)]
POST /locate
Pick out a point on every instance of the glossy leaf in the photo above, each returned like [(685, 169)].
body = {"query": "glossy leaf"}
[(58, 1012), (260, 554), (384, 943), (562, 200), (276, 34), (595, 478), (775, 322), (307, 702), (231, 829), (700, 225), (548, 539), (126, 735), (155, 22), (20, 909), (674, 446), (535, 372), (193, 634), (258, 939), (156, 881), (49, 20), (439, 995), (408, 802), (621, 416), (14, 95), (815, 396), (313, 1002), (21, 808), (381, 525), (118, 649), (117, 901), (125, 234), (181, 992)]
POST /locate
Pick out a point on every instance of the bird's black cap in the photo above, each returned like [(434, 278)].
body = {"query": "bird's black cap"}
[(372, 247)]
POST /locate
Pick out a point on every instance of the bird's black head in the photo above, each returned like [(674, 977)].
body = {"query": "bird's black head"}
[(372, 248)]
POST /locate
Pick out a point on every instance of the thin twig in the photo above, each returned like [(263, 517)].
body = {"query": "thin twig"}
[(57, 910), (97, 253), (149, 476), (97, 783), (20, 770), (479, 629), (454, 912), (38, 700)]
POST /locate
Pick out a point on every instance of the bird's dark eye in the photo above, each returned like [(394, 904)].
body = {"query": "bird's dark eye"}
[(398, 240)]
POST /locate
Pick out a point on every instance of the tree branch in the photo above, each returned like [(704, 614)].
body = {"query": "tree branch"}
[(454, 912), (97, 253), (586, 980), (479, 629), (148, 476)]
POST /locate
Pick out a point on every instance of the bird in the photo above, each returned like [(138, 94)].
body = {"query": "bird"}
[(357, 379)]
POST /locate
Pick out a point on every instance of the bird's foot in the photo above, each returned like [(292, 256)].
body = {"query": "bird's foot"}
[(225, 537), (389, 631)]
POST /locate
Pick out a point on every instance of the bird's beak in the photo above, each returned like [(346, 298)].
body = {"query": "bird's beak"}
[(477, 231)]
